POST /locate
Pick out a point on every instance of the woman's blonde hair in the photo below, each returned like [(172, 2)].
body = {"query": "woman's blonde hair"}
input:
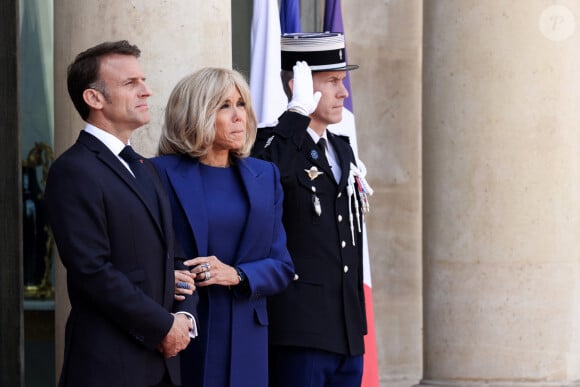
[(190, 115)]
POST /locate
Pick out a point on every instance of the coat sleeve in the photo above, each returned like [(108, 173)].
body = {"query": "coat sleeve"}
[(271, 274)]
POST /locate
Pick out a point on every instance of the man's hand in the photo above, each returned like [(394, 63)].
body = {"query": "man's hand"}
[(304, 100), (177, 338)]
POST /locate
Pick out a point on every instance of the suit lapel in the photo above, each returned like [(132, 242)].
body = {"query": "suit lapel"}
[(185, 180), (342, 151), (107, 157)]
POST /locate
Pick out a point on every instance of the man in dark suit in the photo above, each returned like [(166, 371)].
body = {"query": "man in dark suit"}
[(112, 225), (318, 323)]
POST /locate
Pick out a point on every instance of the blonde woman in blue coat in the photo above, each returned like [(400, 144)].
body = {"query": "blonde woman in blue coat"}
[(227, 216)]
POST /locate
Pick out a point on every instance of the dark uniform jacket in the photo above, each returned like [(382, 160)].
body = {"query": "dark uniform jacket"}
[(323, 307)]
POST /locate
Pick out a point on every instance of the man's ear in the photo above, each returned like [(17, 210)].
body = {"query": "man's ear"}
[(291, 85), (94, 98)]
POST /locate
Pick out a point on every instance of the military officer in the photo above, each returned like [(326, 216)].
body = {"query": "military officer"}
[(318, 323)]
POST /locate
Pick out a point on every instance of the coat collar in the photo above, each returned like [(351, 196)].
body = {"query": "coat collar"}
[(185, 179)]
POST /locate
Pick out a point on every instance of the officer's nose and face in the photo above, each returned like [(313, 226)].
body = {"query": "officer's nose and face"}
[(334, 92)]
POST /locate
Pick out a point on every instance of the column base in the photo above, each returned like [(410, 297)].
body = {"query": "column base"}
[(483, 383)]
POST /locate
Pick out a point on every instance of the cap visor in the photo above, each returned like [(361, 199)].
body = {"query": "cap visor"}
[(343, 68)]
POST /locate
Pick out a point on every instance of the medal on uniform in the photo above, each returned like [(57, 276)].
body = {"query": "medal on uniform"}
[(314, 154), (357, 179), (316, 204), (313, 172)]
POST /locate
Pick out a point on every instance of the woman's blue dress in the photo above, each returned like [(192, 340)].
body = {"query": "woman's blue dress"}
[(227, 208)]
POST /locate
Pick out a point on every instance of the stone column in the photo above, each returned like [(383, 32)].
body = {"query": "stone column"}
[(175, 37), (385, 39), (501, 193)]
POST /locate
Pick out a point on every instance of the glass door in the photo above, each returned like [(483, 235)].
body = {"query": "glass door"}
[(36, 116)]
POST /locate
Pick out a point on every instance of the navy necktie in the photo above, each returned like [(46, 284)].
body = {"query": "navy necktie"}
[(321, 144), (144, 179)]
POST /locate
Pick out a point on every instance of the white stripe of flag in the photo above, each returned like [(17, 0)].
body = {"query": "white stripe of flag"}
[(268, 95)]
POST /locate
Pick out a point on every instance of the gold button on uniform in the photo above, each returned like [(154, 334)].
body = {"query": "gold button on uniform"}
[(340, 218), (345, 268)]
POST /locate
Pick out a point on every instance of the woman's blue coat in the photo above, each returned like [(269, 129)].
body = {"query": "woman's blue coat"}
[(262, 255)]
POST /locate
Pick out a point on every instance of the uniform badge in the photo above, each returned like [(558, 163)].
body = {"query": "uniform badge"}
[(269, 141), (314, 154), (313, 172)]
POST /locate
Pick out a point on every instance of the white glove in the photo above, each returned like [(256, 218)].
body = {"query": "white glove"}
[(304, 100)]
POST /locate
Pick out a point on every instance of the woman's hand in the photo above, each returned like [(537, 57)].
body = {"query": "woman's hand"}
[(211, 271), (184, 284)]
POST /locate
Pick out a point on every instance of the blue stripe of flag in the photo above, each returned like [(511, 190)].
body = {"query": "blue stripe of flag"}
[(333, 23), (290, 16)]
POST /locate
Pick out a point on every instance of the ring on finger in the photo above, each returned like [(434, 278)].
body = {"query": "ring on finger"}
[(207, 275), (182, 285)]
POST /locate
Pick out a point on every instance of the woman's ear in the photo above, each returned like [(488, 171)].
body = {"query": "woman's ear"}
[(95, 99)]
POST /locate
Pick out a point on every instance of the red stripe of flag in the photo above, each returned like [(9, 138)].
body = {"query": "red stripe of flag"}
[(333, 23)]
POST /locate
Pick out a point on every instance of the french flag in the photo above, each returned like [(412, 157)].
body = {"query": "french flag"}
[(333, 23), (268, 95)]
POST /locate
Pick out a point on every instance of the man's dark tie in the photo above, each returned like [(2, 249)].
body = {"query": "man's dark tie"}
[(143, 177), (321, 144)]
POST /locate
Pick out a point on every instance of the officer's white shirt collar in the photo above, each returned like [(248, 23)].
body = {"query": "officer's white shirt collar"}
[(315, 136)]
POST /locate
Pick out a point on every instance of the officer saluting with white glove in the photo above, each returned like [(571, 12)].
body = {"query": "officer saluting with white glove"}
[(317, 324), (304, 101)]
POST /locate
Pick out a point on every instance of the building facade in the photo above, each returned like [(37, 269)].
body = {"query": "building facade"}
[(468, 121)]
